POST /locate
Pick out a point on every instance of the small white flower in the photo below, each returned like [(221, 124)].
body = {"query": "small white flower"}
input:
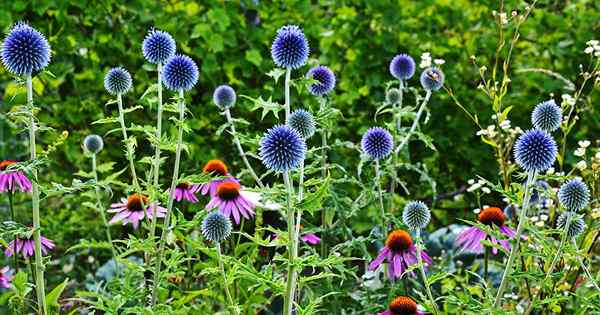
[(505, 124), (503, 18), (568, 99), (539, 223), (589, 50), (580, 152), (486, 190), (592, 42), (534, 218), (476, 211), (425, 60), (550, 171), (584, 143), (544, 217), (581, 165), (439, 61), (471, 181)]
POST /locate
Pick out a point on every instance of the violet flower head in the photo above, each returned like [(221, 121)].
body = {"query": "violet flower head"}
[(27, 246), (325, 80), (216, 168), (470, 239), (233, 201), (5, 278), (400, 253), (158, 46), (402, 67), (11, 180), (131, 210), (310, 238), (377, 143), (290, 47), (180, 73), (187, 191), (535, 150)]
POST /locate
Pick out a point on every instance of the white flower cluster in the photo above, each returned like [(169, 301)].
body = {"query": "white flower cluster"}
[(580, 152), (490, 131), (427, 61), (539, 221), (476, 185), (593, 48), (567, 99)]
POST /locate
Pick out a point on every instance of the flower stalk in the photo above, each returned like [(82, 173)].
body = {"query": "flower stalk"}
[(240, 149), (232, 305), (288, 74), (398, 123), (415, 122), (380, 195), (13, 218), (422, 271), (156, 161), (101, 210), (293, 251)]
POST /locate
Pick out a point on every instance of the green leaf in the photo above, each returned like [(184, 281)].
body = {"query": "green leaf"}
[(54, 295)]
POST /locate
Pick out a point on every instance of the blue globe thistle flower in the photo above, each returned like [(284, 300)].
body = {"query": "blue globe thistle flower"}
[(576, 227), (416, 215), (535, 150), (303, 122), (574, 194), (216, 227), (402, 67), (290, 47), (325, 78), (282, 148), (25, 50), (180, 73), (117, 81), (393, 96), (224, 96), (432, 79), (546, 116), (377, 143), (158, 46), (93, 143)]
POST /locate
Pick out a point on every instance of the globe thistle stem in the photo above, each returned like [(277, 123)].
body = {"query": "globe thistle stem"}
[(232, 305), (380, 195), (156, 162), (398, 121), (422, 270), (322, 107), (102, 215), (240, 149), (35, 201), (288, 74), (557, 254), (520, 227), (14, 219), (288, 304), (415, 122), (174, 180), (585, 269)]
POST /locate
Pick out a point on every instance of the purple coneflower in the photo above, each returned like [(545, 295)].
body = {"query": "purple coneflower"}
[(310, 238), (26, 247), (470, 238), (402, 305), (215, 168), (186, 191), (131, 210), (400, 252), (9, 180), (232, 201), (5, 278)]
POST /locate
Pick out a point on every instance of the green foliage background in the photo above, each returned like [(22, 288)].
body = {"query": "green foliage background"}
[(356, 39)]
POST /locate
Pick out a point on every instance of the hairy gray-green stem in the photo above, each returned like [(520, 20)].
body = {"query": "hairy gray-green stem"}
[(288, 299), (232, 305), (415, 122), (236, 140), (322, 106), (14, 219), (174, 180), (288, 73), (35, 201), (380, 195), (156, 162), (398, 121), (513, 253), (422, 270), (585, 268), (101, 210)]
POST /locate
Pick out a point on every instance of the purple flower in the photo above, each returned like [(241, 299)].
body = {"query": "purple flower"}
[(131, 210), (470, 238), (310, 238), (27, 247), (9, 179), (216, 168), (400, 252), (233, 201), (402, 305), (5, 278), (186, 191)]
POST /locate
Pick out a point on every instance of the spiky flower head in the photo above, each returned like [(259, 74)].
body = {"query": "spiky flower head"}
[(216, 227), (402, 67), (224, 96), (25, 50), (325, 78), (180, 73), (574, 194), (290, 47), (93, 143), (117, 81), (393, 96), (546, 116), (432, 79), (303, 122), (576, 227), (282, 148), (377, 143), (158, 46), (416, 215), (535, 150)]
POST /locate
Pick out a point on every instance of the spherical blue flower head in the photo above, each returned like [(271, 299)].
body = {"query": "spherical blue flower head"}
[(574, 194), (377, 142), (216, 227), (117, 81), (535, 150), (325, 78), (158, 46), (303, 122), (546, 116), (180, 73), (224, 96), (393, 96), (576, 226), (282, 148), (432, 79), (93, 143), (402, 67), (416, 215), (25, 50), (290, 47)]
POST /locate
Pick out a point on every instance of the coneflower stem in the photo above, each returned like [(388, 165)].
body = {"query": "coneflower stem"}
[(513, 253), (380, 194), (174, 180), (557, 254), (288, 74), (101, 210), (415, 122), (156, 166), (35, 200), (398, 122), (585, 268), (232, 306), (299, 210), (236, 140), (288, 299), (486, 257), (422, 270), (13, 218), (322, 106)]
